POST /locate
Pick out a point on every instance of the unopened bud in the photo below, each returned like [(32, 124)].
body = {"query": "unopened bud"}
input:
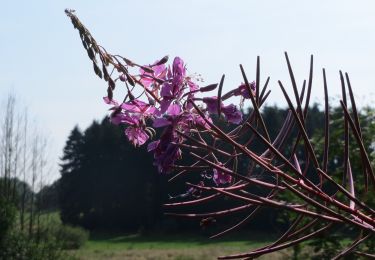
[(208, 88)]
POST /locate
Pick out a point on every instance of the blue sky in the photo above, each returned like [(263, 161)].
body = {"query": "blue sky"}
[(44, 63)]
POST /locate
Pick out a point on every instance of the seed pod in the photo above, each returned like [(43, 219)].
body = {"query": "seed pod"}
[(208, 88), (130, 79), (122, 77), (111, 83), (160, 81), (105, 72), (91, 54), (97, 70), (128, 62), (162, 61), (147, 69), (109, 93), (131, 97), (84, 45), (87, 39)]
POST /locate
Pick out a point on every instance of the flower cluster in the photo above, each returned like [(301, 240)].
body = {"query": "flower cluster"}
[(170, 93)]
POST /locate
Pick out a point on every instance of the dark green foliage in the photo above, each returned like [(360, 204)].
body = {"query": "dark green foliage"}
[(19, 246), (327, 246), (336, 151), (47, 197), (106, 183), (7, 217), (20, 188)]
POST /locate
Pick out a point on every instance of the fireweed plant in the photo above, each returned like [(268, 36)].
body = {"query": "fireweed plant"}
[(169, 98)]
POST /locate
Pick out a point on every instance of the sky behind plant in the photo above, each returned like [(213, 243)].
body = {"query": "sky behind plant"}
[(45, 65)]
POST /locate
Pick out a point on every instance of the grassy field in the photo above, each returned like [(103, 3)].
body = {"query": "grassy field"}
[(166, 246), (176, 247)]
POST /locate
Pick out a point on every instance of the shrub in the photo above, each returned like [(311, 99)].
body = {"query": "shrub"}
[(7, 216), (19, 246), (71, 237)]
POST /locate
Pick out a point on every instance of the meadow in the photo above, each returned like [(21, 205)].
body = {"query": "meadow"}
[(176, 247)]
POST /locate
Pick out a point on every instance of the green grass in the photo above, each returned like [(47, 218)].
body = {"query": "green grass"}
[(158, 246), (176, 247)]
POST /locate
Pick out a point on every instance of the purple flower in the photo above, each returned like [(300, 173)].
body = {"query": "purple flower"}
[(174, 84), (166, 152), (231, 113), (192, 86), (147, 78), (195, 119), (161, 122), (110, 102), (211, 103), (138, 106), (153, 145), (243, 91), (171, 114), (221, 177), (136, 135), (174, 110), (124, 118), (178, 67)]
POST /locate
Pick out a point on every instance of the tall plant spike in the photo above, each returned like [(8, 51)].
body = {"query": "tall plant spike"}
[(170, 101)]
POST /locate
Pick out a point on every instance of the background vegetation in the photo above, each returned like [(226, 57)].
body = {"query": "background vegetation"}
[(112, 189)]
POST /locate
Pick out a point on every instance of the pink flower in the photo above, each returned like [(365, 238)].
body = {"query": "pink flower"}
[(165, 151), (161, 122), (176, 77), (110, 102), (138, 106), (153, 145), (124, 118), (232, 114), (174, 110), (147, 78), (211, 104), (221, 177), (136, 135), (243, 91)]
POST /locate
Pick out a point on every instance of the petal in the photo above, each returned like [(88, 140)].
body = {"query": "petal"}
[(136, 135), (135, 106), (211, 103), (161, 122), (174, 110), (166, 90), (110, 102), (232, 114), (178, 66), (153, 145)]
